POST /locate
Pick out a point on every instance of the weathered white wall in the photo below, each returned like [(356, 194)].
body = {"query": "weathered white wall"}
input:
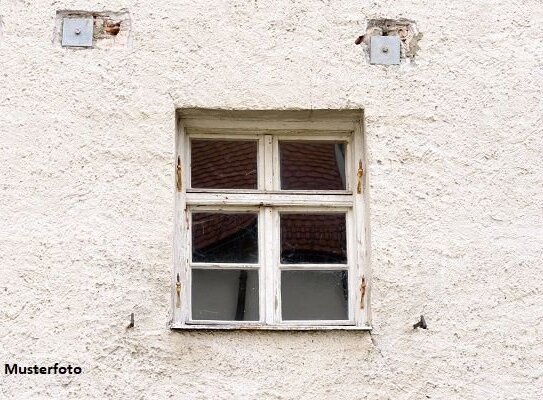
[(86, 200)]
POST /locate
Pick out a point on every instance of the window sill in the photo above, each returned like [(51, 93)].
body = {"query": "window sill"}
[(179, 327)]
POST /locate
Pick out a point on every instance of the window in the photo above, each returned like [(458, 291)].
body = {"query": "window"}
[(270, 228)]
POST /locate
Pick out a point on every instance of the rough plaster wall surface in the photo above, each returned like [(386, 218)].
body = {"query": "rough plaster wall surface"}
[(454, 146)]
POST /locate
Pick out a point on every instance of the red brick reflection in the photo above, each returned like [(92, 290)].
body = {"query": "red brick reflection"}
[(312, 165), (313, 238), (224, 164)]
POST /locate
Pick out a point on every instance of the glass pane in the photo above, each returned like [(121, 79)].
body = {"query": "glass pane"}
[(309, 295), (312, 165), (222, 237), (224, 164), (225, 295), (313, 239)]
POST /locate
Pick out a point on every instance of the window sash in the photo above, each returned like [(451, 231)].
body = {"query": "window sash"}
[(269, 266)]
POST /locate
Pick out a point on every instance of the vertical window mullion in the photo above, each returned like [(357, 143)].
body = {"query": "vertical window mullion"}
[(276, 164), (269, 237), (261, 163), (268, 162), (267, 266)]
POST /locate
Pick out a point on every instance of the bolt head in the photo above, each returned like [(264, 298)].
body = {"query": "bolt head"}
[(78, 31), (384, 49)]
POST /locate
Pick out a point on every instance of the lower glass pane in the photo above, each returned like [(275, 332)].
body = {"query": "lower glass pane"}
[(314, 295), (225, 295), (224, 237)]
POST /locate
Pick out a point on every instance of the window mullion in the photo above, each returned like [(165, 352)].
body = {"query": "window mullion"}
[(268, 162), (330, 201), (276, 165), (268, 267)]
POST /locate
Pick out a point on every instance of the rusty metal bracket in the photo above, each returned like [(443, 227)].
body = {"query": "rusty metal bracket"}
[(362, 292), (360, 174), (178, 292), (178, 175)]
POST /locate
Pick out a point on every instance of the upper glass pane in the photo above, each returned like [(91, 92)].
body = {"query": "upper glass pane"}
[(224, 164), (225, 237), (313, 239), (312, 165)]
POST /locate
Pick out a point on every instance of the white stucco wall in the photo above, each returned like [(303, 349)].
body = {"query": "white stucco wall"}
[(456, 171)]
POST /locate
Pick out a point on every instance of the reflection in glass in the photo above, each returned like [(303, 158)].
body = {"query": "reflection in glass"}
[(224, 164), (312, 165), (225, 237), (314, 295), (225, 295), (313, 239)]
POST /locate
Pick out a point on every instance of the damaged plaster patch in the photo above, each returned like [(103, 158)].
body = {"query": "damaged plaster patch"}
[(406, 29), (111, 29)]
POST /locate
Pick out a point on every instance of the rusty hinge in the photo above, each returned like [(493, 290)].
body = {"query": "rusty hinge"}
[(360, 174), (178, 292), (178, 175), (362, 292)]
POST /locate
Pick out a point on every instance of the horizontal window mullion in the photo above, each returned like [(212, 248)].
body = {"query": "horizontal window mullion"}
[(270, 199), (319, 267), (224, 266)]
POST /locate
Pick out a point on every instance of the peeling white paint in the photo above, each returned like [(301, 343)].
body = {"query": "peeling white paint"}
[(456, 178)]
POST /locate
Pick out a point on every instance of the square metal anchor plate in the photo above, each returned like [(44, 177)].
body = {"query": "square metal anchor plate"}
[(77, 32), (385, 50)]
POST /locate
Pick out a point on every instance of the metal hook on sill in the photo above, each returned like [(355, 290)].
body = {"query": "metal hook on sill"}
[(131, 324), (421, 323)]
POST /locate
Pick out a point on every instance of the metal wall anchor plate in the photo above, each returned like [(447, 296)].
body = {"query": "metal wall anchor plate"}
[(77, 32), (385, 50)]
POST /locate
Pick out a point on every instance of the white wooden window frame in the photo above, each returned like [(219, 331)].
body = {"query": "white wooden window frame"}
[(269, 201)]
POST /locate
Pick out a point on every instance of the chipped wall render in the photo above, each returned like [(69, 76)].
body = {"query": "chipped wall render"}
[(111, 29), (404, 28)]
